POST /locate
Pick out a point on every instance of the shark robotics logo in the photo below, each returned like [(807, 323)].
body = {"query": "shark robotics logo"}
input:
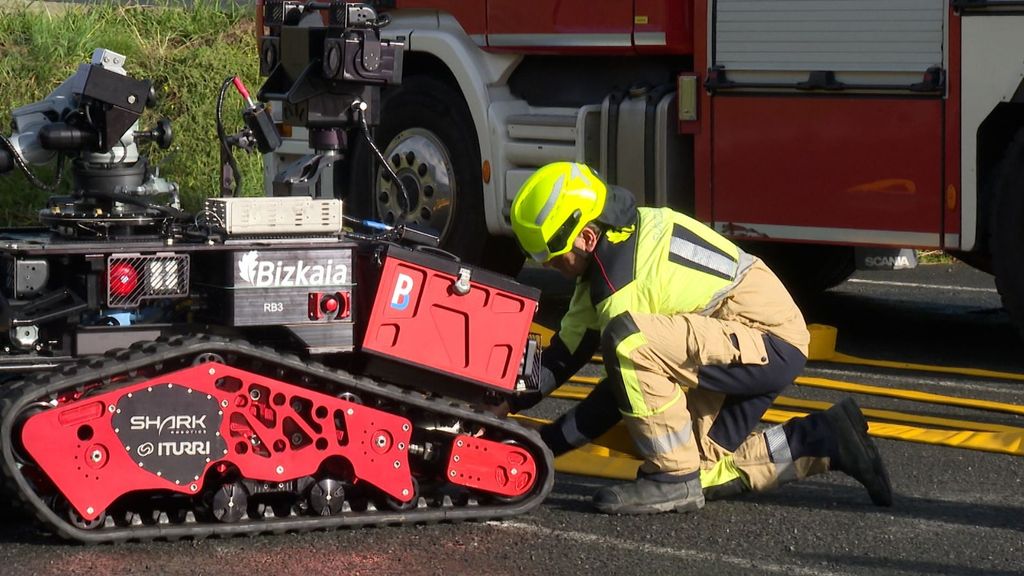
[(247, 266)]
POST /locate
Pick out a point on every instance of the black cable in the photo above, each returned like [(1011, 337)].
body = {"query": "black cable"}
[(222, 136), (22, 165), (358, 106)]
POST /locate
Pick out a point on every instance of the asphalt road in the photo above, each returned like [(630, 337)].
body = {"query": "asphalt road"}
[(957, 512)]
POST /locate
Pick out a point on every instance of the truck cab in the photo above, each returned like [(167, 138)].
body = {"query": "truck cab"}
[(805, 130)]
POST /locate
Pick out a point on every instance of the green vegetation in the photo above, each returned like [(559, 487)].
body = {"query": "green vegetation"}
[(934, 257), (186, 52)]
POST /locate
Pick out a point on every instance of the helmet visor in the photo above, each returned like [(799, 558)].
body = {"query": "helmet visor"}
[(561, 240)]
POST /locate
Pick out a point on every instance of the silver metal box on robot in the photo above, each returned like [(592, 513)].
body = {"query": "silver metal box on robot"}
[(277, 215)]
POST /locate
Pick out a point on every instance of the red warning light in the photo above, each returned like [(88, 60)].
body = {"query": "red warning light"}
[(333, 306), (123, 279), (330, 304)]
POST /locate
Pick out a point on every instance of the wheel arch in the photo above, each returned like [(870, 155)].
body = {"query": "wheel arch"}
[(437, 46), (994, 138), (990, 90)]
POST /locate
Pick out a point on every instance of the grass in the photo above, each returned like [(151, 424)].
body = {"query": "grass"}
[(186, 52), (934, 257)]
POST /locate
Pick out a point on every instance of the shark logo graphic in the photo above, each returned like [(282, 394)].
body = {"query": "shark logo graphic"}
[(247, 266)]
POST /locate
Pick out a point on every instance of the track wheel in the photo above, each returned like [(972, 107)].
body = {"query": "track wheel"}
[(401, 506), (208, 357), (76, 520), (512, 471), (229, 502), (327, 497)]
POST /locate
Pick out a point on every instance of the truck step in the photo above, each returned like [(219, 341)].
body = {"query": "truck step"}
[(546, 127)]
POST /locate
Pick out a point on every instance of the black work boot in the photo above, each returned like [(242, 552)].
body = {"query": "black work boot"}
[(857, 455), (649, 496)]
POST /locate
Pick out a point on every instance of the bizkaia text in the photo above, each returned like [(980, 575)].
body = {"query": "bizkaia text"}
[(279, 273)]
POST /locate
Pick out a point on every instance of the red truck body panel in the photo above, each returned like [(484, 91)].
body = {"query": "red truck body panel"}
[(573, 26), (866, 163)]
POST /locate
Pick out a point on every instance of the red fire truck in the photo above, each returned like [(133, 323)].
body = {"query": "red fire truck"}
[(804, 128)]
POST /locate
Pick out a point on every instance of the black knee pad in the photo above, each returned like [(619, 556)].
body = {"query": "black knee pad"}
[(618, 329)]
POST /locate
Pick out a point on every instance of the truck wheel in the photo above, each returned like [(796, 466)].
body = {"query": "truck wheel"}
[(428, 138), (806, 269), (1006, 234)]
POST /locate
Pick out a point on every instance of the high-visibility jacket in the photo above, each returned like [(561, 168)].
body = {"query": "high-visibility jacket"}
[(665, 263)]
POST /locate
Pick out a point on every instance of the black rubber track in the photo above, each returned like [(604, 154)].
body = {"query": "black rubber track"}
[(172, 353)]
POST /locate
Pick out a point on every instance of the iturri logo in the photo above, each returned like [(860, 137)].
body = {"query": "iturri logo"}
[(290, 272)]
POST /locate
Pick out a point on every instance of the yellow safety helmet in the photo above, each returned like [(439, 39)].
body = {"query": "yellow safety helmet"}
[(553, 205)]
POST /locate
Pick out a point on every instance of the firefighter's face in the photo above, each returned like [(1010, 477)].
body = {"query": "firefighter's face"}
[(574, 263)]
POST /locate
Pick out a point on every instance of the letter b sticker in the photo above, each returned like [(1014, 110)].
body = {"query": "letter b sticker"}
[(403, 288)]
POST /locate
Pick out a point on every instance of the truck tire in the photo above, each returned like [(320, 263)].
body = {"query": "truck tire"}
[(1006, 233), (806, 269), (427, 136)]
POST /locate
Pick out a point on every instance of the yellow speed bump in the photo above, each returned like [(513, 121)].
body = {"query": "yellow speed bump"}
[(914, 395), (855, 388), (612, 454), (957, 433), (822, 348)]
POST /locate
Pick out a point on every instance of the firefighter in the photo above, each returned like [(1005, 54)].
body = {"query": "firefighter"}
[(698, 338)]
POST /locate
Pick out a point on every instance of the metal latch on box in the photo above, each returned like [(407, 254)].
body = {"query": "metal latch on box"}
[(461, 285)]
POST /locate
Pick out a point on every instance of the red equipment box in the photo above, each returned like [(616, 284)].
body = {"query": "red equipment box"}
[(434, 313)]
